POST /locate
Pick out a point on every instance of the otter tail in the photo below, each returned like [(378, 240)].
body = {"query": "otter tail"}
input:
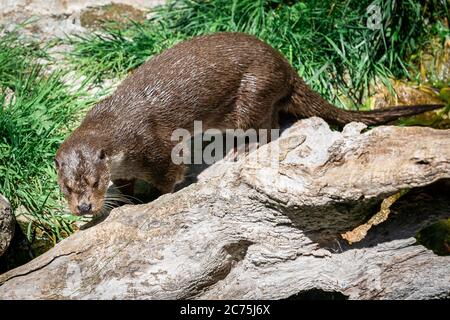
[(304, 103)]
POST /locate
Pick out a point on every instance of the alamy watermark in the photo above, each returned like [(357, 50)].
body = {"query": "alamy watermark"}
[(212, 145), (374, 18)]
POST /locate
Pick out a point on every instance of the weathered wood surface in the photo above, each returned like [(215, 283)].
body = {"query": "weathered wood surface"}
[(253, 230)]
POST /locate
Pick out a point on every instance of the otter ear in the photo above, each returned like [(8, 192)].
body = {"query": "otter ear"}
[(102, 155), (56, 164)]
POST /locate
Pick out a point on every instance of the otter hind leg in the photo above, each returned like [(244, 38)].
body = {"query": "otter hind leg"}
[(259, 98), (162, 172), (167, 180)]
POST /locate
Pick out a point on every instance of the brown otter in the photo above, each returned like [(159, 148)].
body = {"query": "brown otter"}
[(225, 80)]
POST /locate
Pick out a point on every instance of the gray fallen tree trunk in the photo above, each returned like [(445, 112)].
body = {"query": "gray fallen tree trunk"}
[(255, 230)]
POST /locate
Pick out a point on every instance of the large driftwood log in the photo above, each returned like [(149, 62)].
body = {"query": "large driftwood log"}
[(257, 231)]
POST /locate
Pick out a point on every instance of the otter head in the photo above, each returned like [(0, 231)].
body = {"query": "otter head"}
[(83, 177)]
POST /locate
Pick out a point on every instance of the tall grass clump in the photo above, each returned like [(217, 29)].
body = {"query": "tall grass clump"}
[(327, 41), (36, 112)]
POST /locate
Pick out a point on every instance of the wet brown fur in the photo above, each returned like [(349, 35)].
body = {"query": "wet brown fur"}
[(226, 80)]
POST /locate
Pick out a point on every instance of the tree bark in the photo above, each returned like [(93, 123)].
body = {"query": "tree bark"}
[(257, 230)]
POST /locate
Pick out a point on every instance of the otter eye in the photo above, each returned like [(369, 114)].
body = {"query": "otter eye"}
[(95, 185), (68, 189)]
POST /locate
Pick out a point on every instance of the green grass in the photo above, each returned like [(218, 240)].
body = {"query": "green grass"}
[(327, 41), (36, 112)]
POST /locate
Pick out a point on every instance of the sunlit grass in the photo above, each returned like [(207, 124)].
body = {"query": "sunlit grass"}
[(36, 113), (327, 41)]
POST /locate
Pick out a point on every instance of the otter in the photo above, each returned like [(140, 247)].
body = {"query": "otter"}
[(225, 80)]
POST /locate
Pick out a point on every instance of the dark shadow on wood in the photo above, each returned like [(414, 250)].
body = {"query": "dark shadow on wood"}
[(417, 209), (317, 294), (18, 253)]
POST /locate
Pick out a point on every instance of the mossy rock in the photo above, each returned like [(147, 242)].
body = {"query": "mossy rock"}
[(97, 17)]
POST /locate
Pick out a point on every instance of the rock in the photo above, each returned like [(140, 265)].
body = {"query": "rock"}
[(56, 18), (268, 227), (7, 224)]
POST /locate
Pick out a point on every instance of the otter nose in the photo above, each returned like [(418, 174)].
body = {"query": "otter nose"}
[(84, 208)]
